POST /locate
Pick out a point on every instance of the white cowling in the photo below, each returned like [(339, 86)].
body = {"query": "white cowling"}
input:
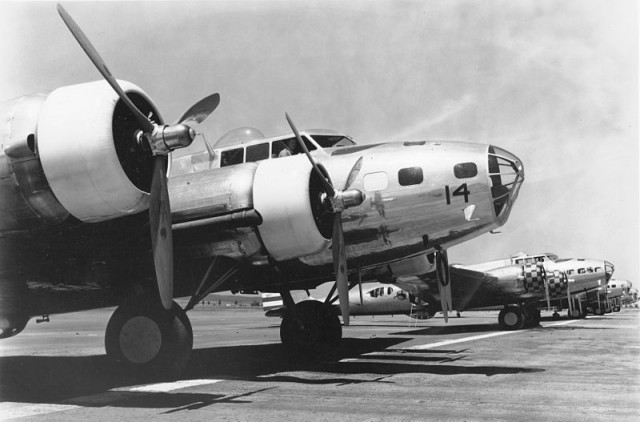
[(281, 194), (76, 147)]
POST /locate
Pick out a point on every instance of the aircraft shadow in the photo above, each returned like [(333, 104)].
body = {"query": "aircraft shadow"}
[(450, 329), (42, 379)]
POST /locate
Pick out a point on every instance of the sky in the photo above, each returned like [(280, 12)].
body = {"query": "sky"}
[(555, 82)]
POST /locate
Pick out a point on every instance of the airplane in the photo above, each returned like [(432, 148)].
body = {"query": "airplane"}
[(90, 219), (520, 285), (372, 298), (616, 290)]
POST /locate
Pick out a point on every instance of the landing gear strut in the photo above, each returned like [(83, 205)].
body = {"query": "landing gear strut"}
[(313, 328), (145, 337)]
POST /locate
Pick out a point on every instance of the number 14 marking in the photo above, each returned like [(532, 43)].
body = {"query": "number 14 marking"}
[(461, 190)]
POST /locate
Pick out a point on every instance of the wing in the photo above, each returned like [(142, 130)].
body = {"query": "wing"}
[(469, 289)]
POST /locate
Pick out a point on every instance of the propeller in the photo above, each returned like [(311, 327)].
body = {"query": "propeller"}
[(338, 201), (444, 282), (162, 139)]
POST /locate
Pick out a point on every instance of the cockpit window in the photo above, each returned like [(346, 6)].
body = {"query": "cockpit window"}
[(257, 152), (289, 146), (410, 176), (465, 170), (231, 157)]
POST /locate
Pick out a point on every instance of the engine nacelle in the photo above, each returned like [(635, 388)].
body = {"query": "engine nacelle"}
[(288, 196), (88, 150)]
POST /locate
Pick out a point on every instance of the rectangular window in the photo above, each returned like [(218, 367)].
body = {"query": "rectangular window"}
[(231, 157), (257, 152), (410, 176)]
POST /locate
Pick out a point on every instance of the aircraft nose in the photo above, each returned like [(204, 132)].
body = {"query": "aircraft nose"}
[(608, 269), (507, 174)]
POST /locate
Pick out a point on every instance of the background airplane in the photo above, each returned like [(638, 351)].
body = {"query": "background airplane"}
[(521, 285), (82, 165)]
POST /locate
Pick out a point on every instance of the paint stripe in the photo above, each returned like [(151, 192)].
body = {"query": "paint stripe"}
[(480, 337), (170, 386)]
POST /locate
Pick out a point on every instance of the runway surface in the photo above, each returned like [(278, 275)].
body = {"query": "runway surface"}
[(386, 370)]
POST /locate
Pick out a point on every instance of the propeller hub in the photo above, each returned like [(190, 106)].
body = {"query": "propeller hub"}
[(164, 139)]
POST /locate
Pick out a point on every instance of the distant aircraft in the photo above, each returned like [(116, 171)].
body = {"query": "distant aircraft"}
[(521, 285), (371, 299), (617, 290), (80, 166)]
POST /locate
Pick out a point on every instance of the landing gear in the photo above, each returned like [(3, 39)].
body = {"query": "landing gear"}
[(555, 316), (598, 311), (313, 328), (145, 337), (532, 317), (511, 318)]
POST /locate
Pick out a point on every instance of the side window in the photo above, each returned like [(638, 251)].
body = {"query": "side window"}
[(589, 270), (231, 157), (598, 269), (465, 170), (257, 152), (410, 176), (375, 181), (581, 271), (569, 272)]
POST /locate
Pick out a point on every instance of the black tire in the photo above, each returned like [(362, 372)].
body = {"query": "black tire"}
[(599, 311), (555, 316), (511, 318), (320, 333), (146, 338)]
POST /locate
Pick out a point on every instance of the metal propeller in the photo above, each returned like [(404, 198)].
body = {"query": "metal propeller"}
[(444, 282), (338, 202), (162, 139)]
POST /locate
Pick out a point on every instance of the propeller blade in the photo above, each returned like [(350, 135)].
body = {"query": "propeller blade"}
[(94, 56), (355, 170), (327, 186), (444, 283), (200, 110), (340, 267), (161, 235)]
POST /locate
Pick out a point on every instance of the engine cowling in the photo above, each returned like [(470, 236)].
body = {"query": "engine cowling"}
[(288, 196), (88, 150)]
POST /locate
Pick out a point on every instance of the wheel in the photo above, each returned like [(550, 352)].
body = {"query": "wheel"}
[(555, 316), (616, 309), (598, 311), (319, 330), (148, 339), (511, 318)]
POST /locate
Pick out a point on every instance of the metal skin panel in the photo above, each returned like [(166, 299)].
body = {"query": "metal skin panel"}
[(393, 223), (281, 197), (76, 147)]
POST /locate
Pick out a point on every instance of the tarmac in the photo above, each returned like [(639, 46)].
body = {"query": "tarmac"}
[(387, 369)]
